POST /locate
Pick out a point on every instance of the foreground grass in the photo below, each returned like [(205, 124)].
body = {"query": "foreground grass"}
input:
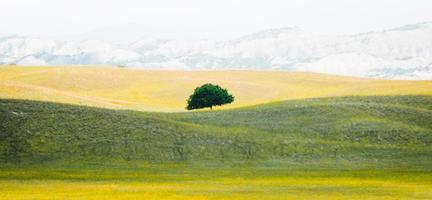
[(168, 90), (178, 181)]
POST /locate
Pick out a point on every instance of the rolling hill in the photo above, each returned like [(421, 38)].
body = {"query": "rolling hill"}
[(153, 90), (323, 148), (320, 137), (351, 132)]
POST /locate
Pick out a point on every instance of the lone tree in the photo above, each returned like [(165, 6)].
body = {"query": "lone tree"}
[(209, 95)]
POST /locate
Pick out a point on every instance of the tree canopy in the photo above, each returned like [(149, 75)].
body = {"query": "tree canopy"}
[(207, 96)]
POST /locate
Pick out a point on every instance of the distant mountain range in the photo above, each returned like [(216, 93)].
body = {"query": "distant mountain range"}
[(399, 53)]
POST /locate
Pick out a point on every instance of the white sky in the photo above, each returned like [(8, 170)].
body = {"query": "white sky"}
[(209, 18)]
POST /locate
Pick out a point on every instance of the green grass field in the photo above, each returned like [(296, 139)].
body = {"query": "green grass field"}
[(376, 147), (187, 181)]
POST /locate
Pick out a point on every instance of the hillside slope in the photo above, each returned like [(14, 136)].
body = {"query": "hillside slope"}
[(168, 90), (355, 132)]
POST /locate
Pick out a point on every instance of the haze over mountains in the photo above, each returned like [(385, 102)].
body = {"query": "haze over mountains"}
[(399, 53)]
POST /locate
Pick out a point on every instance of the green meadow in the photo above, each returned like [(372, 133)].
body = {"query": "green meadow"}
[(321, 148)]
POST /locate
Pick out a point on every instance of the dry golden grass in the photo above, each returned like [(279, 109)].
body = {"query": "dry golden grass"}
[(154, 90)]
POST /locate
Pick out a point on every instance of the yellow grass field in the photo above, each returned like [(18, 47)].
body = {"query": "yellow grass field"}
[(276, 188), (153, 90)]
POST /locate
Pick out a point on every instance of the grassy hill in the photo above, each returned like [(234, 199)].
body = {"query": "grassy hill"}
[(322, 137), (352, 131), (323, 148), (168, 90)]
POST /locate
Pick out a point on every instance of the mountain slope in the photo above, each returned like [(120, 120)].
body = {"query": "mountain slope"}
[(400, 53), (168, 90)]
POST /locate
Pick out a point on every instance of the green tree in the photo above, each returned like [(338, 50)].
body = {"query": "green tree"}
[(209, 95)]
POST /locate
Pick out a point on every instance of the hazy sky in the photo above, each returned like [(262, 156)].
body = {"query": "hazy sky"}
[(209, 18)]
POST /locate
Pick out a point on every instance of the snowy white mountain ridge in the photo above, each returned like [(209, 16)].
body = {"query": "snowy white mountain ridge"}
[(400, 53)]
